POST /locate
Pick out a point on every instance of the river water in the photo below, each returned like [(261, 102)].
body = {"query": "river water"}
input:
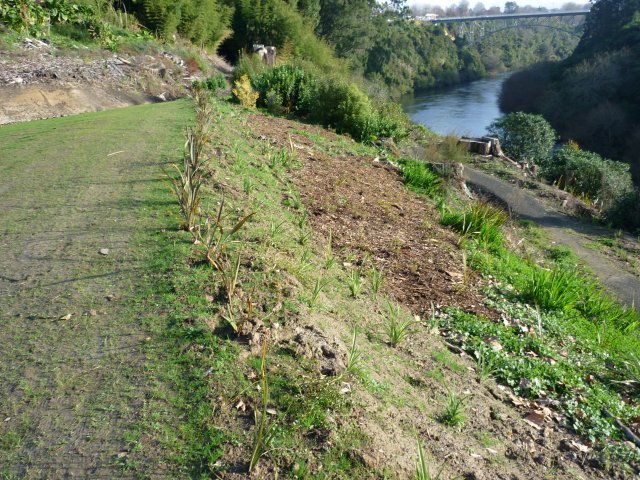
[(465, 109)]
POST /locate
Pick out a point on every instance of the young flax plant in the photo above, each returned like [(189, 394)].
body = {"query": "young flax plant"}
[(422, 469), (194, 164), (329, 259), (377, 280), (397, 327), (263, 432), (354, 354), (355, 283), (315, 293)]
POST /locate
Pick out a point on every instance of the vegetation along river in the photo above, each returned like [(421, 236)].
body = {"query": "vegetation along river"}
[(465, 109)]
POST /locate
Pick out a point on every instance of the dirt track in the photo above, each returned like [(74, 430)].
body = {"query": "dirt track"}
[(564, 230)]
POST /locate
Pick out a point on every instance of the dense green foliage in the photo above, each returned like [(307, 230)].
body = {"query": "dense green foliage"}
[(213, 83), (588, 173), (527, 137), (327, 99), (591, 96)]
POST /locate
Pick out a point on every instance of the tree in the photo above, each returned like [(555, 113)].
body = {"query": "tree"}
[(525, 136), (510, 7)]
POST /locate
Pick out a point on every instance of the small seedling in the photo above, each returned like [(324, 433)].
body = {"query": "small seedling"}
[(354, 354), (329, 259), (248, 186), (422, 469), (263, 432), (302, 220), (303, 239), (376, 280), (453, 414), (317, 289), (396, 327), (355, 283), (485, 364)]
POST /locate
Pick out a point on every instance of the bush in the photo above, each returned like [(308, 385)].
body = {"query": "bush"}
[(626, 212), (588, 173), (213, 83), (294, 86), (525, 136), (346, 108), (244, 93)]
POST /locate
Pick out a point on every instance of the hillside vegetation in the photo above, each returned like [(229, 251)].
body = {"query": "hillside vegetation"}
[(591, 97), (359, 38)]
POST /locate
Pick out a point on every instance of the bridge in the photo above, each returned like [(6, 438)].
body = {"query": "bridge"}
[(508, 16)]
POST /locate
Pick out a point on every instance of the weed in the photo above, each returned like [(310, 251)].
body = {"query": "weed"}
[(355, 283), (396, 327), (453, 414)]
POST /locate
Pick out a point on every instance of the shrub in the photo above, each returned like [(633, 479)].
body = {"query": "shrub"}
[(293, 85), (244, 93), (525, 136), (346, 108), (626, 212), (213, 83), (588, 173), (273, 102)]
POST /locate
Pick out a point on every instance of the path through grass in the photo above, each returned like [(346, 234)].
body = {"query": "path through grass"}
[(72, 359)]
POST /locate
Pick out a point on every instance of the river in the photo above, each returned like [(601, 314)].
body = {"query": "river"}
[(465, 109)]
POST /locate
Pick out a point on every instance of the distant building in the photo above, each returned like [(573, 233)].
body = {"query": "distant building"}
[(427, 17)]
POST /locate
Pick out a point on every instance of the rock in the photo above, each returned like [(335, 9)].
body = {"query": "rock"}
[(104, 251)]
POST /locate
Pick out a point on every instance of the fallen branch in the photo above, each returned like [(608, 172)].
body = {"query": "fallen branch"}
[(629, 435)]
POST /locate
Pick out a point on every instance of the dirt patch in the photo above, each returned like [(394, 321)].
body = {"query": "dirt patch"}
[(19, 104), (362, 203), (40, 81)]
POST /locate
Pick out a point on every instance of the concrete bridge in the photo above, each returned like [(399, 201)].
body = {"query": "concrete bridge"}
[(508, 16)]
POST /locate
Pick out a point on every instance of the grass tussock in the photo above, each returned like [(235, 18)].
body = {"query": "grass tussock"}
[(481, 222), (419, 177)]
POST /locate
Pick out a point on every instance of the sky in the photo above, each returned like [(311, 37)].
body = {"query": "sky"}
[(491, 3)]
